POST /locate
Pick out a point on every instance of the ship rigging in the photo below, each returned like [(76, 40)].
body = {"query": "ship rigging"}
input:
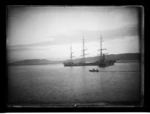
[(101, 63)]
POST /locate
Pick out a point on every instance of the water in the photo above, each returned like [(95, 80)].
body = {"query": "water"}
[(56, 84)]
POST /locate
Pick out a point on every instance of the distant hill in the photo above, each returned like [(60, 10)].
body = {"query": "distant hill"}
[(118, 57), (34, 62)]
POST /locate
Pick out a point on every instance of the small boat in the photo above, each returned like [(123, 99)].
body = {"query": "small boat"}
[(94, 70)]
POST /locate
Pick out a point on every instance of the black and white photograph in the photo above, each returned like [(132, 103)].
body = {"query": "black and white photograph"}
[(75, 56)]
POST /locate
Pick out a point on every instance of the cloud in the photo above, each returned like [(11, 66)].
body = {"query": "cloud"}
[(130, 30), (29, 47), (75, 36), (121, 32)]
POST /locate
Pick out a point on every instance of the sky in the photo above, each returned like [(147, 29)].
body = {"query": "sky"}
[(46, 32)]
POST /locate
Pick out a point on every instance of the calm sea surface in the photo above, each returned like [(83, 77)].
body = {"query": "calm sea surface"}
[(54, 83)]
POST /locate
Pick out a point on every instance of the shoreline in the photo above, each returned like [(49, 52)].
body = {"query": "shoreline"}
[(127, 61), (120, 61)]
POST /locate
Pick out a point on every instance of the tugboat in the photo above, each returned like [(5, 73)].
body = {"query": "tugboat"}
[(101, 63)]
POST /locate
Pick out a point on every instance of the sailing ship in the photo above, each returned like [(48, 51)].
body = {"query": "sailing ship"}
[(101, 63)]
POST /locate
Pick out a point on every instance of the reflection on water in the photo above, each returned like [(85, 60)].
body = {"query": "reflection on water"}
[(49, 84)]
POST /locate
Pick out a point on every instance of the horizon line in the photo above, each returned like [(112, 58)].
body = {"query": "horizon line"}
[(73, 59)]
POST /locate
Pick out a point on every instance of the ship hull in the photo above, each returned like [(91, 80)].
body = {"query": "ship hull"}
[(100, 64), (106, 63), (82, 64)]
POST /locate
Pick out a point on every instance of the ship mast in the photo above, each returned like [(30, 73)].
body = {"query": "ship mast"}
[(83, 51), (101, 53), (71, 52)]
